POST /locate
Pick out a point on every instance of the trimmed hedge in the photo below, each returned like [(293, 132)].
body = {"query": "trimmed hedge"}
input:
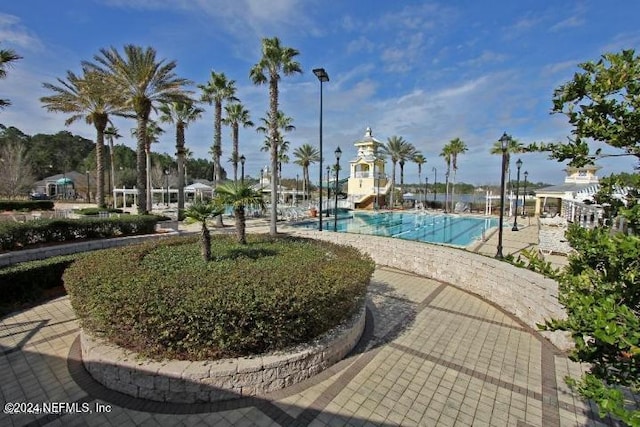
[(162, 300), (26, 205), (17, 235), (96, 211), (27, 282)]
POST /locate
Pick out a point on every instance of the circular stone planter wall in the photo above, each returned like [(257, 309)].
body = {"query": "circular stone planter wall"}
[(211, 381)]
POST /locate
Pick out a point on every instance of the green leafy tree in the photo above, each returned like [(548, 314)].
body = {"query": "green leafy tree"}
[(600, 289), (305, 155), (236, 115), (276, 60), (15, 169), (145, 83), (240, 196), (180, 113), (201, 212), (90, 96), (7, 58)]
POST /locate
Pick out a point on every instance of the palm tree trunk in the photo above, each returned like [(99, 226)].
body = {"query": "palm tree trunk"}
[(149, 195), (393, 184), (113, 168), (141, 165), (273, 95), (180, 158), (241, 225), (453, 192), (205, 240), (234, 135), (217, 152), (100, 124)]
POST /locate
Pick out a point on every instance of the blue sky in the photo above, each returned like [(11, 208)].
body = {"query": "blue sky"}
[(426, 71)]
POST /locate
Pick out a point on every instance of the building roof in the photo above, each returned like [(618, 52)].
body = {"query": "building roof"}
[(564, 188)]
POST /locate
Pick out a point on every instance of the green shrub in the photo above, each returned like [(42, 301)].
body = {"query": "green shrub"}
[(96, 211), (27, 282), (26, 205), (17, 235), (163, 300)]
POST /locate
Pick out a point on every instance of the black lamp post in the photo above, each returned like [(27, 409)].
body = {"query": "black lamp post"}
[(338, 153), (88, 189), (504, 142), (242, 160), (435, 183), (261, 178), (515, 215), (166, 174), (328, 187), (524, 194), (322, 76)]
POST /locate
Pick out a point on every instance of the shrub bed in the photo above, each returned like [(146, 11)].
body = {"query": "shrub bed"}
[(27, 282), (26, 205), (15, 235), (162, 300), (96, 211)]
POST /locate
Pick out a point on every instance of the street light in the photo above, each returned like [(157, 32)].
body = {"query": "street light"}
[(524, 194), (338, 153), (435, 182), (504, 142), (322, 76), (166, 175), (515, 216), (88, 188), (242, 160)]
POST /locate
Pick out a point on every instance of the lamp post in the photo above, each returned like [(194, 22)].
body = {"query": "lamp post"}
[(322, 76), (261, 178), (504, 142), (524, 194), (435, 183), (338, 153), (166, 175), (242, 160), (88, 188), (515, 216), (426, 190), (328, 187)]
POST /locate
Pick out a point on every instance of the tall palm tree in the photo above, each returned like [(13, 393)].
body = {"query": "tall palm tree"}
[(276, 60), (514, 147), (144, 82), (111, 133), (201, 212), (305, 155), (456, 147), (7, 58), (408, 152), (396, 148), (152, 134), (446, 154), (180, 113), (90, 96), (236, 115), (240, 196), (419, 159), (283, 125)]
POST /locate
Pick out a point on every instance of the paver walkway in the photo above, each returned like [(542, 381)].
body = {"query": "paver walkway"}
[(431, 355)]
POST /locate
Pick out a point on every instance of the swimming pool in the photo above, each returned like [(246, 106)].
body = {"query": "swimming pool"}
[(433, 228)]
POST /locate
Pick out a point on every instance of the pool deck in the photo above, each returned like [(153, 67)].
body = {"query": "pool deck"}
[(431, 355)]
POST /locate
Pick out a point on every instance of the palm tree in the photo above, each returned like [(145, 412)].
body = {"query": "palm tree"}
[(201, 212), (90, 96), (152, 134), (396, 148), (446, 154), (305, 155), (276, 60), (236, 115), (218, 90), (456, 147), (7, 57), (112, 133), (283, 125), (514, 147), (240, 196), (407, 154), (180, 113), (420, 160), (144, 82)]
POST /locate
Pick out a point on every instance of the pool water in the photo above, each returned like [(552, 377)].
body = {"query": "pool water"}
[(433, 228)]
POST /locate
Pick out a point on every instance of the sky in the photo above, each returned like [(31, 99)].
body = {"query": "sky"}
[(426, 71)]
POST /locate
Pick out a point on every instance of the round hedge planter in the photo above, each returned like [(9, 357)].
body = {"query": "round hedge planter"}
[(148, 303), (219, 380)]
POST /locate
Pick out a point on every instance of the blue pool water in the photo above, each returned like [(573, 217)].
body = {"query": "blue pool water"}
[(433, 228)]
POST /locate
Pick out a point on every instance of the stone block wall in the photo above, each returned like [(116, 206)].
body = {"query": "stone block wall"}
[(528, 295), (211, 381)]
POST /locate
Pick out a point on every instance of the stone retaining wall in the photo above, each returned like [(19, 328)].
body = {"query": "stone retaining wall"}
[(528, 295), (212, 381)]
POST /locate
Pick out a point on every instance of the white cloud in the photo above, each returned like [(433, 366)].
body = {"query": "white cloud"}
[(14, 33)]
